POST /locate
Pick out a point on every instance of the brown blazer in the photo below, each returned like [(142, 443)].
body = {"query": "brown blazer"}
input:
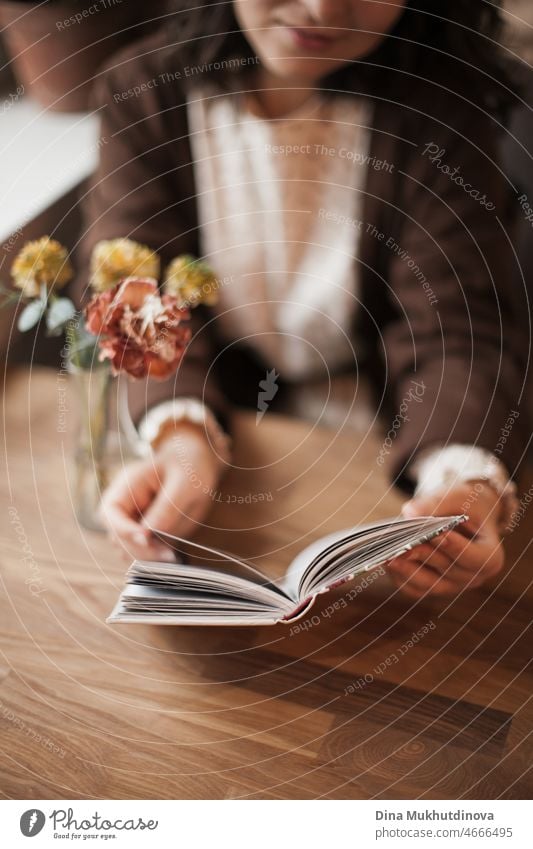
[(435, 256)]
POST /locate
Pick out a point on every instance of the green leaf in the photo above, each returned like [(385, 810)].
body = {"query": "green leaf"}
[(60, 312), (30, 315)]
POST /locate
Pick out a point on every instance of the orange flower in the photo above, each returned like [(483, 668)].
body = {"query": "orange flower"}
[(141, 332)]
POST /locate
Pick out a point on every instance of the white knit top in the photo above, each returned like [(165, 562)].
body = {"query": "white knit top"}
[(279, 205)]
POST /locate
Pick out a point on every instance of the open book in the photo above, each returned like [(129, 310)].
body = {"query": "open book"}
[(223, 590)]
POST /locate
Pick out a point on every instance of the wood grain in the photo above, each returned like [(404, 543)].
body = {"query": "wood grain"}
[(89, 710)]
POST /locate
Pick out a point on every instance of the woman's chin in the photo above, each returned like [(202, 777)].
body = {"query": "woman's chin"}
[(308, 71)]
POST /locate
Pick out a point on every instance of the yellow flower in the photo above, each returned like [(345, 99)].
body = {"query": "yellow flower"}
[(43, 262), (113, 260), (192, 281)]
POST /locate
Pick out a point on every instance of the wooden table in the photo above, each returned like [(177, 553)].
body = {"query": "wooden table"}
[(90, 710)]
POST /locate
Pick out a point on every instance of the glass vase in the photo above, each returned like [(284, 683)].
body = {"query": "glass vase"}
[(105, 439)]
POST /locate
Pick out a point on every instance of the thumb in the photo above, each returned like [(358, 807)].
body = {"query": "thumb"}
[(419, 506)]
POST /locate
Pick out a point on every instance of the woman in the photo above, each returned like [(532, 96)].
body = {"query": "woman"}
[(335, 162)]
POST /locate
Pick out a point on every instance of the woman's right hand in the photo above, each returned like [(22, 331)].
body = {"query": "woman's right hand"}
[(171, 492)]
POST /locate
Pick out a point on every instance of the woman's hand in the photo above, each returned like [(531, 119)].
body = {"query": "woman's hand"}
[(456, 560), (170, 491)]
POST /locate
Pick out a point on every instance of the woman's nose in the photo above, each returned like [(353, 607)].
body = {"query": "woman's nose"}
[(331, 13)]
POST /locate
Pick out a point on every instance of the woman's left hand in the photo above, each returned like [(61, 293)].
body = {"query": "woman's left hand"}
[(456, 560)]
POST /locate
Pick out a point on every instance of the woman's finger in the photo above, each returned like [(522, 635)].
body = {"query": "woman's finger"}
[(118, 522), (131, 536), (441, 559), (428, 556), (419, 579), (122, 505), (469, 554), (425, 556), (412, 571), (132, 489), (455, 579)]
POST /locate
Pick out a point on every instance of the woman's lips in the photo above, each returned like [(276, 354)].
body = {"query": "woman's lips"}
[(306, 39)]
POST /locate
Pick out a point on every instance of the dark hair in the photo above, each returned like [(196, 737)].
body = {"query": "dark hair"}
[(442, 40)]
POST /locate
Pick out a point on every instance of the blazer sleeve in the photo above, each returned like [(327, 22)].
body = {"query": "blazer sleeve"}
[(143, 189), (454, 360)]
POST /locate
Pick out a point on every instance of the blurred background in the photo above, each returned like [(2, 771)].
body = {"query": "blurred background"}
[(50, 53)]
